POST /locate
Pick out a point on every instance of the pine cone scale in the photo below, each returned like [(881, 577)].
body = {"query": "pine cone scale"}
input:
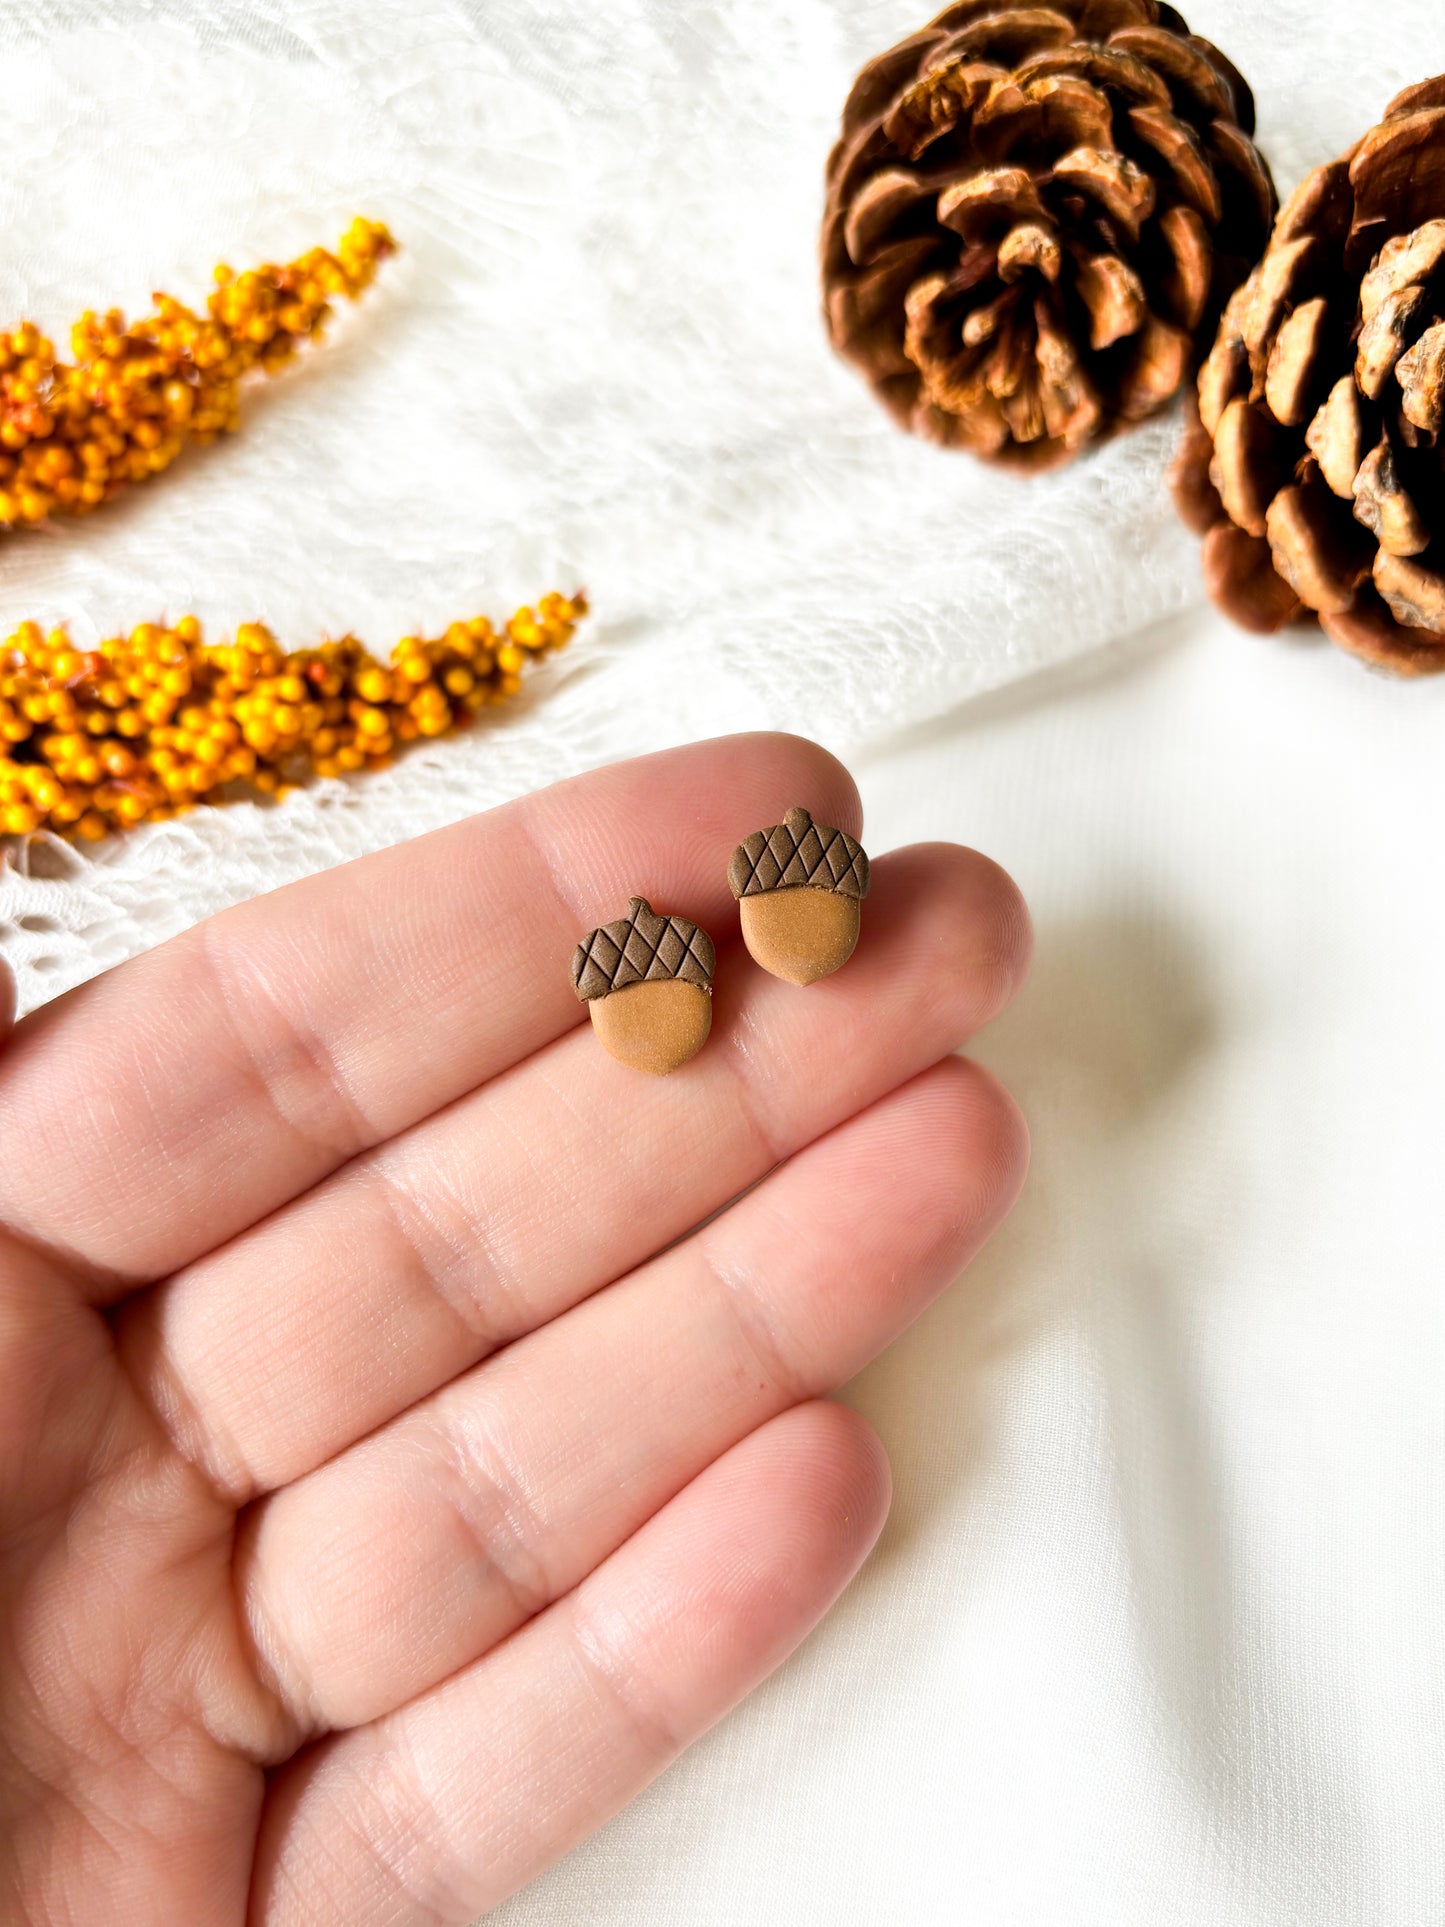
[(878, 83), (1408, 260), (1157, 372), (935, 105), (1002, 37), (1241, 91), (1080, 200), (1179, 65), (1240, 576), (1178, 149), (1102, 19), (1248, 468), (1114, 297), (1422, 375), (1107, 68), (1249, 195), (1336, 438), (1056, 112), (1293, 359), (1424, 93), (1186, 282), (1317, 548), (1384, 506), (1123, 191), (1398, 175), (1414, 594), (969, 207), (876, 215)]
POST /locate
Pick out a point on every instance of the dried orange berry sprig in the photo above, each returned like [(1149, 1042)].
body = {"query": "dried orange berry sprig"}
[(71, 435), (146, 725)]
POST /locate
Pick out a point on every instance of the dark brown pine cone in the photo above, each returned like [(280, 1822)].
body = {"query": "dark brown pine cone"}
[(1035, 216), (1314, 465)]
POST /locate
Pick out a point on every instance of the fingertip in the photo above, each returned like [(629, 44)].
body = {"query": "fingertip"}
[(664, 826), (996, 932), (834, 1466), (753, 780), (993, 1144), (913, 1188), (958, 908), (1014, 921), (958, 1146), (824, 785), (858, 1463)]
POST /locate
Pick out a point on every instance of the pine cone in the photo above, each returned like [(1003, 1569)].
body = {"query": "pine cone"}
[(1314, 465), (1035, 216)]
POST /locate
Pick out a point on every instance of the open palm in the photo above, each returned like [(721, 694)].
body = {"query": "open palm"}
[(393, 1477)]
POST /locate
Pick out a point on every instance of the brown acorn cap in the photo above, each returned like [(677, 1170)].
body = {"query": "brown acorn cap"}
[(641, 948), (799, 854)]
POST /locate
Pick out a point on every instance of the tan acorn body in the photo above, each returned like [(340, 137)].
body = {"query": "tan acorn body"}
[(655, 1027), (800, 935), (799, 886), (647, 984)]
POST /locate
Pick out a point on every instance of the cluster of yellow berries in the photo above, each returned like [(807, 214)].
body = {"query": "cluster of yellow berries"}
[(147, 724), (72, 435)]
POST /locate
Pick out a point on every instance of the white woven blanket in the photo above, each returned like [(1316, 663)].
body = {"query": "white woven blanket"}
[(598, 361)]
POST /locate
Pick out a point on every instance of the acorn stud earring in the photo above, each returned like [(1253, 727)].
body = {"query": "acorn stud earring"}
[(798, 888), (647, 983)]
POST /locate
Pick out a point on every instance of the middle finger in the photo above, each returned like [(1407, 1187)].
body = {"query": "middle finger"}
[(504, 1211)]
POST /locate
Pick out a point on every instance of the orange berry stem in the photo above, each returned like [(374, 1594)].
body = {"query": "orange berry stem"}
[(145, 726), (73, 435)]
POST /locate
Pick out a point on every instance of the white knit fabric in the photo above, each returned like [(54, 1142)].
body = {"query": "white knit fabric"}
[(598, 360), (1155, 1635)]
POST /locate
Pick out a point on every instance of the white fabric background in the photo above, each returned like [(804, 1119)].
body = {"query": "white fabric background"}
[(1155, 1634)]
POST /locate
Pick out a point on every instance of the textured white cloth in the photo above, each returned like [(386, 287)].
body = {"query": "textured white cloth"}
[(597, 360), (1155, 1633), (1155, 1636)]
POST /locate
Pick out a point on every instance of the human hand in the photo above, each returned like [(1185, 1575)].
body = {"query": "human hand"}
[(385, 1496)]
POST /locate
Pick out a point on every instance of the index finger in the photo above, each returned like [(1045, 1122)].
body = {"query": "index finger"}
[(159, 1110)]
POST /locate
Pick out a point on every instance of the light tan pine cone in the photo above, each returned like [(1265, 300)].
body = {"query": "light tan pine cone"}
[(1314, 464), (1035, 217)]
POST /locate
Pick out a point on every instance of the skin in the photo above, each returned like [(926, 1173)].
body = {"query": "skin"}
[(390, 1487)]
